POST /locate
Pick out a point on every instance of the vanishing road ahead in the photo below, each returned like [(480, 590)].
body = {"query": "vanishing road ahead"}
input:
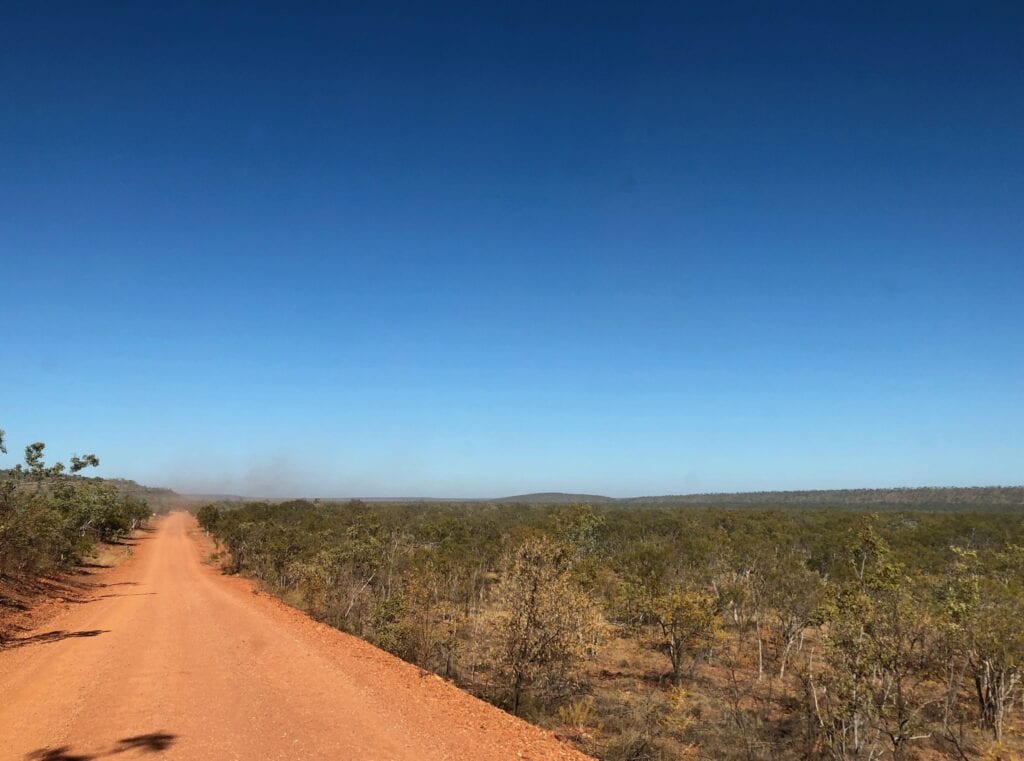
[(170, 659)]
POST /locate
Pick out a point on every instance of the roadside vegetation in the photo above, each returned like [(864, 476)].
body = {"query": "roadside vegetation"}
[(51, 517), (678, 632)]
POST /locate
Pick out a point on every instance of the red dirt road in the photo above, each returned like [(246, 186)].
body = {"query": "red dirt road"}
[(170, 659)]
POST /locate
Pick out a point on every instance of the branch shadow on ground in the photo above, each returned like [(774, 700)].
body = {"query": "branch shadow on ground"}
[(57, 754), (154, 742), (54, 636)]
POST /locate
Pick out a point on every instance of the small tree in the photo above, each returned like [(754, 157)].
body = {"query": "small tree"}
[(879, 649), (661, 598), (547, 623), (208, 517), (987, 606), (687, 621), (795, 594)]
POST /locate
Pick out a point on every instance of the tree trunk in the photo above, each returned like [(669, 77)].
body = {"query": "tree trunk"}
[(517, 691)]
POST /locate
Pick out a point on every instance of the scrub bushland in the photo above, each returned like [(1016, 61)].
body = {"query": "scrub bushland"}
[(677, 632)]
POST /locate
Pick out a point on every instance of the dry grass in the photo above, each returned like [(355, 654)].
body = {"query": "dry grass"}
[(632, 712)]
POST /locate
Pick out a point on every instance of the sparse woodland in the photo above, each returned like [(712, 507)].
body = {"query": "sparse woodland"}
[(678, 632)]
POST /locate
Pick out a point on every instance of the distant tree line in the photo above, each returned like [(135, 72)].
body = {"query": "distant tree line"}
[(677, 632), (50, 517), (900, 499), (931, 498)]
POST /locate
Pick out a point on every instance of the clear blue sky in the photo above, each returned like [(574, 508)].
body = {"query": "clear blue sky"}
[(483, 248)]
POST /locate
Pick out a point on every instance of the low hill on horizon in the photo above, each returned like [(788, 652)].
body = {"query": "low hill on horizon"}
[(920, 497), (163, 499), (911, 498)]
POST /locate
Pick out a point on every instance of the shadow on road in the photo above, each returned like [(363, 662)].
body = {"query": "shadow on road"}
[(57, 754), (154, 742), (54, 636)]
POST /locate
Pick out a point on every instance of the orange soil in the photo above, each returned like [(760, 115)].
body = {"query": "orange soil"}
[(167, 656)]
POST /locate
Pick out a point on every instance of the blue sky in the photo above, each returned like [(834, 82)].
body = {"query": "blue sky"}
[(481, 249)]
